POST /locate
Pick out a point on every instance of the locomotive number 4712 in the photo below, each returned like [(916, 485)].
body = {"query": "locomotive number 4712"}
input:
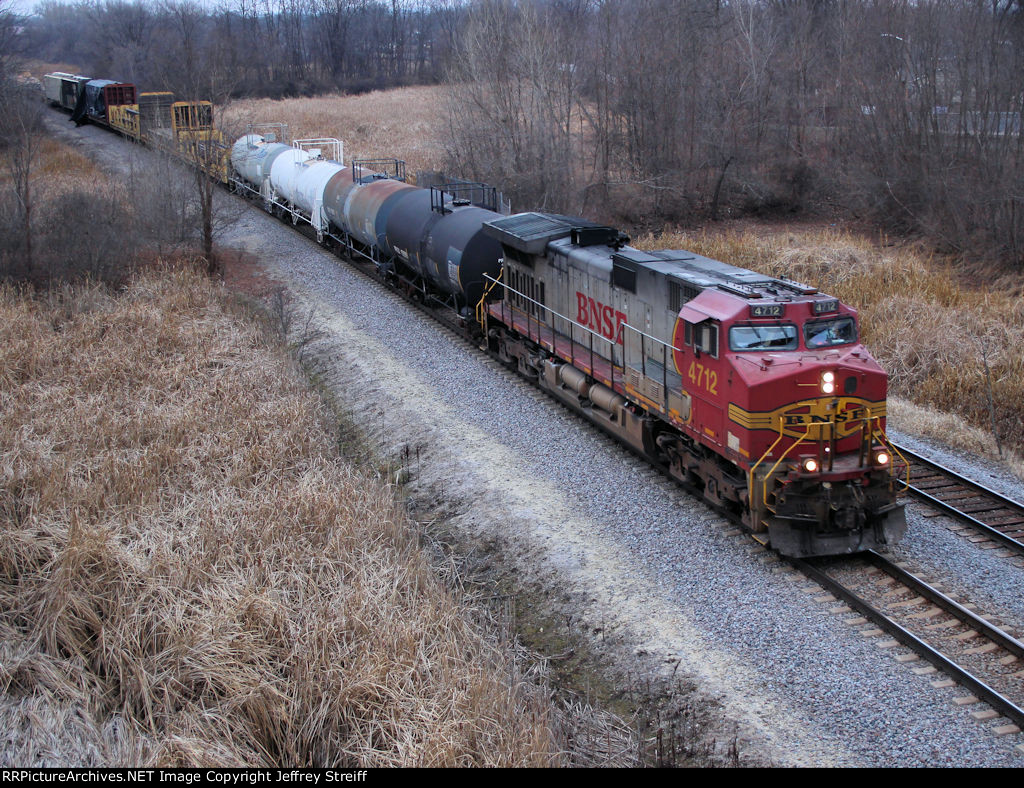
[(702, 377)]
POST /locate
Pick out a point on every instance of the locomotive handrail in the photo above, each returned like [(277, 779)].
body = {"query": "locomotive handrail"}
[(769, 451), (655, 339), (789, 448), (806, 435), (481, 306), (589, 330), (892, 447), (546, 308), (643, 358)]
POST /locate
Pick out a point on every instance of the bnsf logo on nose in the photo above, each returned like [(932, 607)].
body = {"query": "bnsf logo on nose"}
[(605, 320)]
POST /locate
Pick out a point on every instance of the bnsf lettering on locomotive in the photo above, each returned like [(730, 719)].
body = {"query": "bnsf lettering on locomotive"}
[(795, 419), (605, 320)]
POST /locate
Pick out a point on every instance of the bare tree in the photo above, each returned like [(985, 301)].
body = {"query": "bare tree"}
[(511, 102), (20, 148)]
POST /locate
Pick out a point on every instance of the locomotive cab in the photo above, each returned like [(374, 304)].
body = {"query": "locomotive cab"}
[(806, 422)]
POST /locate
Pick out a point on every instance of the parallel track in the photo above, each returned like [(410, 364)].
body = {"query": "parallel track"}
[(975, 653), (999, 518)]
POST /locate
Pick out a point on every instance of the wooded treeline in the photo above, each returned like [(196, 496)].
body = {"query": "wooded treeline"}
[(645, 112), (268, 48), (904, 112)]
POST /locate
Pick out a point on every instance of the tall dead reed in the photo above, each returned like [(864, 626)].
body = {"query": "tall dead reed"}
[(189, 575), (401, 123)]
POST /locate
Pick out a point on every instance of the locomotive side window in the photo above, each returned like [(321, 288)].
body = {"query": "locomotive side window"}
[(777, 337), (827, 333), (705, 337)]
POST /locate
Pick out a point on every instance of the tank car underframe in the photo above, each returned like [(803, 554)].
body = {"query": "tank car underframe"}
[(808, 518), (389, 270)]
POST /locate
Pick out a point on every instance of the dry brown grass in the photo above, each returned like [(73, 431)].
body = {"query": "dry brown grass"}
[(402, 123), (191, 575), (39, 68), (62, 169), (924, 325), (58, 168)]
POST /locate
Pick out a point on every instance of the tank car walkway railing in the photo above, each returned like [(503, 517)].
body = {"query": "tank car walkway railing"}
[(322, 148)]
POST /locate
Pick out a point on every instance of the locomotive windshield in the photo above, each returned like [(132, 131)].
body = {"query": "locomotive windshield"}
[(776, 337), (826, 333)]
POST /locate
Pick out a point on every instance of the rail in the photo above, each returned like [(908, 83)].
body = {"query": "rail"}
[(993, 514), (981, 688)]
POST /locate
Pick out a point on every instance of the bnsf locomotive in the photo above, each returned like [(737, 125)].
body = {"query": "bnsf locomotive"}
[(752, 390)]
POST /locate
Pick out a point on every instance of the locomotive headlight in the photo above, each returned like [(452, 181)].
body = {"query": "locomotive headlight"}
[(882, 458), (810, 465), (828, 382)]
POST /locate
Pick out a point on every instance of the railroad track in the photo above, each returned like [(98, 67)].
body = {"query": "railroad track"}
[(996, 517), (903, 609)]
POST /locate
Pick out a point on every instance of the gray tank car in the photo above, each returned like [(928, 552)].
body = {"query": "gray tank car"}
[(423, 236)]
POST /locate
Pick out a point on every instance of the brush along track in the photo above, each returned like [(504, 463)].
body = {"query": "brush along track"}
[(996, 517), (971, 651)]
